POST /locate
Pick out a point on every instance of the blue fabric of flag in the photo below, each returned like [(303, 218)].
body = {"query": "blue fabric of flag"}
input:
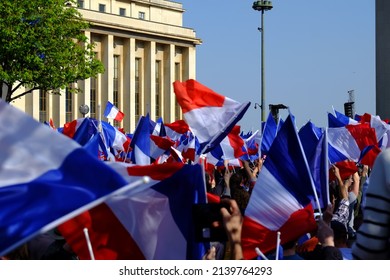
[(286, 153), (268, 135), (141, 140), (315, 145)]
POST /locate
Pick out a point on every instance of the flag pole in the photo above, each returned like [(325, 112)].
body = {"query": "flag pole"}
[(202, 163), (260, 253), (89, 243), (277, 245), (99, 118)]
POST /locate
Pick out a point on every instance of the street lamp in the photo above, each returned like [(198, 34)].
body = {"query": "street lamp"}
[(262, 6), (84, 109)]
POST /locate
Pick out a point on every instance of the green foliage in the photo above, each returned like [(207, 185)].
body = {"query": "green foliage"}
[(42, 46)]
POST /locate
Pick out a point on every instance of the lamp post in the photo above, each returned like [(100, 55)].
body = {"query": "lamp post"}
[(262, 6), (84, 109)]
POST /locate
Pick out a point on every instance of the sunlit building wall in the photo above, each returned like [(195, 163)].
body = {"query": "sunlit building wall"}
[(144, 48)]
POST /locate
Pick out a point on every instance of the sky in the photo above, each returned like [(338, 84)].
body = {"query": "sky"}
[(315, 52)]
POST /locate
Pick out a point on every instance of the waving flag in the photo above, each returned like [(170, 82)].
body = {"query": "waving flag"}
[(382, 129), (340, 120), (45, 178), (252, 142), (141, 142), (152, 221), (281, 198), (210, 115), (188, 146), (232, 145), (112, 112), (269, 133), (159, 145), (176, 129), (315, 145), (351, 140)]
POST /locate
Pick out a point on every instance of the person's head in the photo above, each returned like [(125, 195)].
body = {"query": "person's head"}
[(340, 233), (235, 180)]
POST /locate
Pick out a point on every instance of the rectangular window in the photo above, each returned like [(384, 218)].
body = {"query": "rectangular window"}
[(80, 3), (92, 103), (42, 106), (158, 89), (122, 12), (138, 67), (102, 8), (68, 105), (141, 15), (115, 83), (177, 78)]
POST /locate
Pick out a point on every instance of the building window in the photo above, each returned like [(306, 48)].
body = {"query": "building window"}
[(177, 78), (42, 106), (158, 89), (141, 15), (102, 8), (80, 3), (122, 12), (138, 67), (116, 85), (68, 105), (92, 103)]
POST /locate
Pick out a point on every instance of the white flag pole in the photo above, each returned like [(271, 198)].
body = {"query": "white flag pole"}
[(260, 253), (89, 243), (277, 245)]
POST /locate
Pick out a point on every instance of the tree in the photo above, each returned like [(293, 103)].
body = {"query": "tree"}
[(43, 46)]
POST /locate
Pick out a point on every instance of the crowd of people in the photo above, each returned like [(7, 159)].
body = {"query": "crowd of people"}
[(356, 225)]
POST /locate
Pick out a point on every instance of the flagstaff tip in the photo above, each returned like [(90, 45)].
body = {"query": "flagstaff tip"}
[(146, 179)]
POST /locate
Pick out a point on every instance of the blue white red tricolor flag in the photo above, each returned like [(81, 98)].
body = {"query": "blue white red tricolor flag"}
[(45, 178), (210, 115), (281, 198), (112, 112), (152, 221)]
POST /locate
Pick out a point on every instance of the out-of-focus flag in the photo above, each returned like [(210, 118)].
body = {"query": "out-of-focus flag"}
[(351, 140), (210, 115), (45, 178), (152, 221), (112, 112)]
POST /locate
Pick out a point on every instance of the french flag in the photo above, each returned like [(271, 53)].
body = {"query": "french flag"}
[(232, 145), (188, 146), (45, 178), (351, 140), (281, 198), (159, 145), (315, 145), (176, 129), (340, 120), (382, 129), (141, 142), (112, 112), (268, 135), (152, 221), (210, 115)]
